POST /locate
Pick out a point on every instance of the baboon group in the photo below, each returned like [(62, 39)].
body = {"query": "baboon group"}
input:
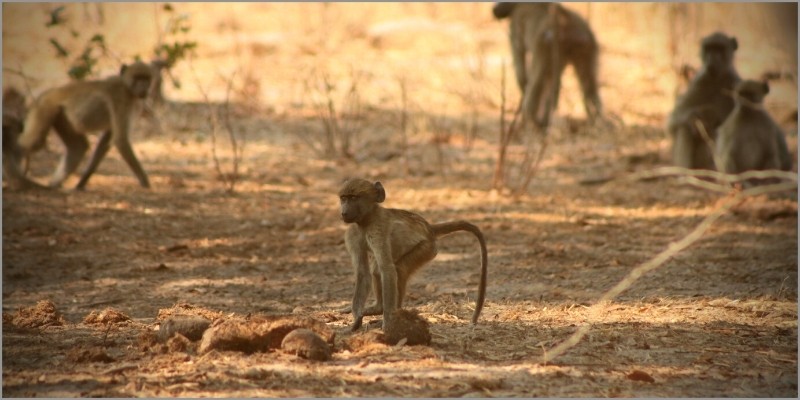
[(718, 123)]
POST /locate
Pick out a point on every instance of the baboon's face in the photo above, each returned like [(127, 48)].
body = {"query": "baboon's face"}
[(717, 52), (353, 208), (358, 199), (138, 77)]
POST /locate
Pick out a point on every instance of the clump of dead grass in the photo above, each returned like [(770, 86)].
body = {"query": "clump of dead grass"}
[(106, 317), (43, 314)]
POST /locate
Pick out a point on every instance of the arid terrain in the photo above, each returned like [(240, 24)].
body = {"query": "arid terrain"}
[(89, 276)]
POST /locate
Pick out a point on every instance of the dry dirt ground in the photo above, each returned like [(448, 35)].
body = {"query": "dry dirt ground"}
[(717, 320)]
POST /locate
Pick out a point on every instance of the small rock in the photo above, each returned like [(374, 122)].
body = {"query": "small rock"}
[(409, 325), (192, 327), (306, 344)]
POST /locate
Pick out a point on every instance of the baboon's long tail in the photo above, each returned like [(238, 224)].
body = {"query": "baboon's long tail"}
[(445, 228)]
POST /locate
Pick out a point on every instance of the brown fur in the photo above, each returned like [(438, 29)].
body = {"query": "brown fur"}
[(14, 112), (78, 108), (391, 245), (749, 139), (531, 33), (707, 100)]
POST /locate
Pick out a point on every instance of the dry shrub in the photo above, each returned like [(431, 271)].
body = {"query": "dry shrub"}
[(43, 314), (106, 317)]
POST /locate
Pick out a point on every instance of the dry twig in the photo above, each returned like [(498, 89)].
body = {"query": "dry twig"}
[(674, 248)]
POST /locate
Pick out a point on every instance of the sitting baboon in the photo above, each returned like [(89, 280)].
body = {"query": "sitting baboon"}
[(749, 139), (78, 108), (708, 100), (538, 74)]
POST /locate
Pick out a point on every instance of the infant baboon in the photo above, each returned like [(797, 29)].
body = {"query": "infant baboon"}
[(538, 76), (749, 139), (708, 100), (78, 108), (390, 245)]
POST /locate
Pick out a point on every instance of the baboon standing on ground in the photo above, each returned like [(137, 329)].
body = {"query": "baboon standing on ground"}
[(708, 100), (749, 139), (14, 111), (390, 245), (538, 74), (78, 108)]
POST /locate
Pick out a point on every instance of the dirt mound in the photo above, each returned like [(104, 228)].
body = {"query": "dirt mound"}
[(186, 309), (88, 354), (178, 343), (306, 344), (191, 327), (408, 325), (259, 333), (370, 341), (106, 317), (43, 314)]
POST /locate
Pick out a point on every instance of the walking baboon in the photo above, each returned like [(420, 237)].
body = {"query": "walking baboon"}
[(708, 100), (79, 108), (749, 139), (539, 68), (391, 245), (14, 111)]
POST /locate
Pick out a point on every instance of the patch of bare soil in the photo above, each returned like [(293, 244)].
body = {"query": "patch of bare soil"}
[(188, 290)]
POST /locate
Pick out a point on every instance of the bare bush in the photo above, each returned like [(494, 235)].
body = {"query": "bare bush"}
[(515, 171), (222, 130), (339, 111)]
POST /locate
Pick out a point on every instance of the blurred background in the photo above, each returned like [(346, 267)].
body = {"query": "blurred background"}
[(449, 55)]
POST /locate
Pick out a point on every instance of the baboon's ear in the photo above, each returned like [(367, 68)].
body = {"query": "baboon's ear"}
[(380, 193), (122, 69), (766, 87), (734, 43)]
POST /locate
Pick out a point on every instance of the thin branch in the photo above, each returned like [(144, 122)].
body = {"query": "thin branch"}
[(674, 248)]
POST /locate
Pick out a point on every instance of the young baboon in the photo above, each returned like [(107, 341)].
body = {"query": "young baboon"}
[(78, 108), (708, 99), (390, 245), (538, 74), (749, 139)]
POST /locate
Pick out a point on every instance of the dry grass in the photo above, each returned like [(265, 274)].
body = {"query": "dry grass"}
[(717, 319)]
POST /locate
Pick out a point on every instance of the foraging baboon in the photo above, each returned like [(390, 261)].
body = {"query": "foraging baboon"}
[(78, 108), (391, 245), (538, 73), (749, 139), (708, 99)]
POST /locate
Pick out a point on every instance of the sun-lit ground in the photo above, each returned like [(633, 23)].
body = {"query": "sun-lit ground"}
[(719, 319)]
